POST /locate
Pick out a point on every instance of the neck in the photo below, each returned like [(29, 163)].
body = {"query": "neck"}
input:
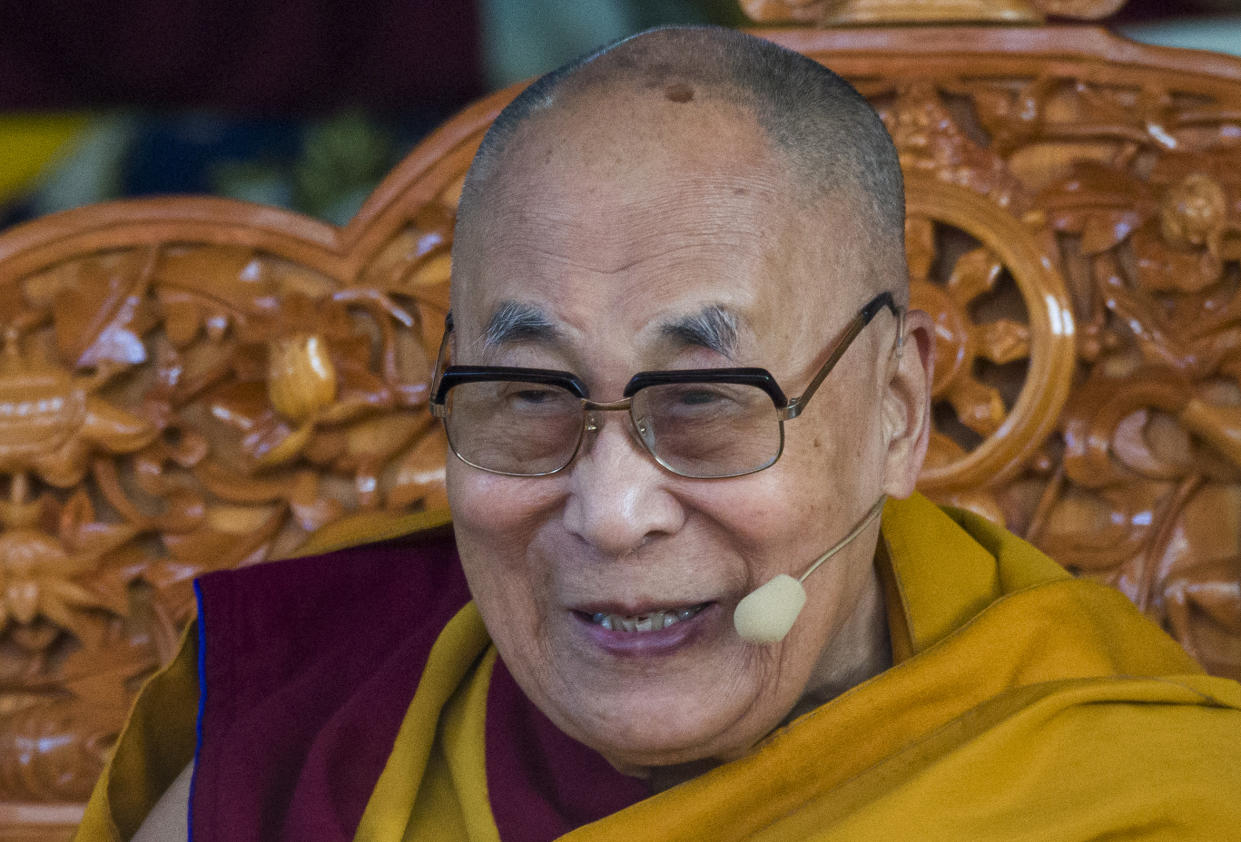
[(860, 650)]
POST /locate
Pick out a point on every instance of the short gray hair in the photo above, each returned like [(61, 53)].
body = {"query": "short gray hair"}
[(832, 140)]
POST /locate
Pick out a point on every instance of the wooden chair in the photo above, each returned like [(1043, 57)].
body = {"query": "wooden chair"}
[(191, 384)]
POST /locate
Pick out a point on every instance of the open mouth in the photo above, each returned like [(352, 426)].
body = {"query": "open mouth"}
[(651, 621)]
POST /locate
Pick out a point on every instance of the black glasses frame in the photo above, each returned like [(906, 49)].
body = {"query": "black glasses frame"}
[(786, 408), (456, 375)]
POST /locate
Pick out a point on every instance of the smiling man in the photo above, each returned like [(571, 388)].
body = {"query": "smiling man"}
[(678, 378), (709, 233)]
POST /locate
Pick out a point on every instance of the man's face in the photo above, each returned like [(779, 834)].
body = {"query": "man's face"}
[(615, 243)]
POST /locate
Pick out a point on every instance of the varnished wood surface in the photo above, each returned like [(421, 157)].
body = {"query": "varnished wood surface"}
[(896, 12)]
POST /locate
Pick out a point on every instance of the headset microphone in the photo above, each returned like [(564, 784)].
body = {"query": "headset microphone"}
[(767, 613)]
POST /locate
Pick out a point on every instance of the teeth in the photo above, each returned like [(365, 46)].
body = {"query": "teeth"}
[(654, 621)]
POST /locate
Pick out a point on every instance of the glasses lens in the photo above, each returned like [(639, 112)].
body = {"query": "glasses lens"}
[(513, 427), (708, 429)]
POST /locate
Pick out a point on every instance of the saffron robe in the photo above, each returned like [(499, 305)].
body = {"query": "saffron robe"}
[(1023, 704)]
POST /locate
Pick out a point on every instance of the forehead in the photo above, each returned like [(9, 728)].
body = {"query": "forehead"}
[(685, 211)]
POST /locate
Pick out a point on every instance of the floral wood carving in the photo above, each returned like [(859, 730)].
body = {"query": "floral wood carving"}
[(187, 385), (169, 409), (869, 12), (1075, 233), (190, 385)]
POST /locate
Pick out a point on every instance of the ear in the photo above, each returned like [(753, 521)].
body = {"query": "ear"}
[(906, 412)]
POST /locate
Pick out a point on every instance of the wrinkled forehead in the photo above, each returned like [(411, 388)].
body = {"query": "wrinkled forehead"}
[(628, 138), (684, 216)]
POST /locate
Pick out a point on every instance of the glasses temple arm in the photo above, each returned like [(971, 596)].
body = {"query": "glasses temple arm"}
[(797, 404), (438, 371), (856, 326)]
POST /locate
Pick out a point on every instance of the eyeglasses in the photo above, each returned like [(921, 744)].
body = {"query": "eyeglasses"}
[(709, 423)]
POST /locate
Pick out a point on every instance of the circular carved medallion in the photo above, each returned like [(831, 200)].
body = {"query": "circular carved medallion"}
[(1003, 369)]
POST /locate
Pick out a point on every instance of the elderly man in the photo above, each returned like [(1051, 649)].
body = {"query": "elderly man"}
[(679, 378)]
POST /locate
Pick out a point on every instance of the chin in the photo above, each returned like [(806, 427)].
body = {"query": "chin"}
[(639, 725), (650, 700), (649, 743)]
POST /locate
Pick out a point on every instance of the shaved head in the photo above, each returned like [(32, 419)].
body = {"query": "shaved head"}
[(832, 146)]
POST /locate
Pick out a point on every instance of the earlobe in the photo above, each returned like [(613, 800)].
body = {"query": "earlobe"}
[(906, 414)]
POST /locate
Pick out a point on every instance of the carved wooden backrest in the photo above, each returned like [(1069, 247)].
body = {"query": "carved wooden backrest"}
[(191, 384)]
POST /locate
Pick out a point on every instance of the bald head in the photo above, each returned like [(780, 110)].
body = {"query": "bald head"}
[(832, 150)]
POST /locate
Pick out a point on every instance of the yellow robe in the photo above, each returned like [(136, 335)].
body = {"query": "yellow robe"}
[(1023, 704)]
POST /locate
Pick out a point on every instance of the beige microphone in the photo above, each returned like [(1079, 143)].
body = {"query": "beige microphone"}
[(766, 613)]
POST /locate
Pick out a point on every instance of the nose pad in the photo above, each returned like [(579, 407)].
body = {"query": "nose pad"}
[(645, 433), (639, 430)]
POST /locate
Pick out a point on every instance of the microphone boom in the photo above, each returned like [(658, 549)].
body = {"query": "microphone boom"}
[(767, 613)]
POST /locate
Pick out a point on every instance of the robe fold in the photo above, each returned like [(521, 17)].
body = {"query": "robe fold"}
[(356, 694)]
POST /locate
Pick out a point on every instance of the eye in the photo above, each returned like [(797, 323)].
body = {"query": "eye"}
[(699, 397), (696, 400), (533, 396), (537, 398), (704, 402)]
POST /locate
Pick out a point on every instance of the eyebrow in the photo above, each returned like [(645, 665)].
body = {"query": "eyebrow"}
[(514, 321), (713, 328)]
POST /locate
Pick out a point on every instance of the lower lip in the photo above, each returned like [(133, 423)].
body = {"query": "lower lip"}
[(665, 641)]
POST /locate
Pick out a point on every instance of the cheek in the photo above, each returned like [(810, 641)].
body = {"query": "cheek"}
[(496, 519), (835, 450), (489, 504), (787, 515), (771, 522)]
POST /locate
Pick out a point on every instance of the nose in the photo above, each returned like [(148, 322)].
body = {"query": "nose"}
[(619, 497)]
